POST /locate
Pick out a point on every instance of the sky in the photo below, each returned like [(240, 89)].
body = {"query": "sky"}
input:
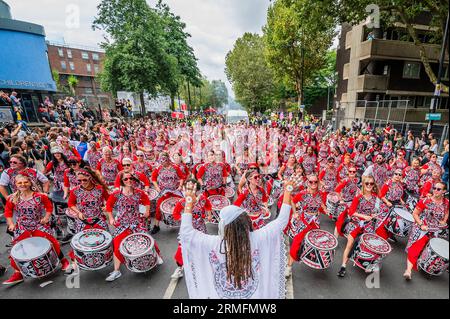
[(213, 24)]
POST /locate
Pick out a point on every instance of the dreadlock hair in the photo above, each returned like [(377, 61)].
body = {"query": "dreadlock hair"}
[(238, 253)]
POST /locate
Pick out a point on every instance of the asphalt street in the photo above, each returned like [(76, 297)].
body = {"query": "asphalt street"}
[(306, 283)]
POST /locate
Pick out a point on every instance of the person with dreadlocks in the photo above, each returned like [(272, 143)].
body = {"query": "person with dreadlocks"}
[(239, 263)]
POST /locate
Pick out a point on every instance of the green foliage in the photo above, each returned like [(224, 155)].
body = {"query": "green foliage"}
[(248, 72), (297, 36), (72, 81), (57, 80)]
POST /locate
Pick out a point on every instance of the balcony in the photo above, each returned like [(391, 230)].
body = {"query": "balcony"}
[(397, 50), (372, 83)]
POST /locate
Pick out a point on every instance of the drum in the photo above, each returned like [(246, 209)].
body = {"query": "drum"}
[(434, 257), (318, 249), (92, 248), (333, 204), (411, 201), (139, 252), (71, 224), (167, 207), (370, 251), (35, 257), (217, 202), (399, 222), (152, 194), (229, 192)]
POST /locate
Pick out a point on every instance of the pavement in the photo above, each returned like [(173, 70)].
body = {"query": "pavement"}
[(306, 283)]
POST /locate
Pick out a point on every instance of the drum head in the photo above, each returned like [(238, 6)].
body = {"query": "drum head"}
[(229, 192), (376, 244), (403, 213), (440, 247), (30, 248), (91, 240), (218, 201), (152, 194), (333, 197), (136, 245), (169, 204), (321, 239)]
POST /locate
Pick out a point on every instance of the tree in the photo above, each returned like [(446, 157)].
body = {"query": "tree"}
[(248, 72), (219, 94), (72, 81), (405, 12), (297, 36)]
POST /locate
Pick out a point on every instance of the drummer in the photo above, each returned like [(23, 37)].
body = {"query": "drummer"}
[(201, 210), (429, 215), (427, 169), (128, 220), (108, 167), (168, 181), (379, 170), (342, 170), (142, 166), (287, 169), (307, 206), (87, 201), (213, 176), (328, 176), (309, 161), (427, 188), (391, 194), (254, 199), (412, 177), (26, 206), (142, 180), (361, 212)]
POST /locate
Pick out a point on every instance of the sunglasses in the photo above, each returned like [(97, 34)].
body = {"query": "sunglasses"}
[(125, 165), (369, 184), (257, 177), (14, 162), (398, 174), (352, 171), (437, 189), (127, 179), (73, 163), (313, 182), (83, 180), (140, 155)]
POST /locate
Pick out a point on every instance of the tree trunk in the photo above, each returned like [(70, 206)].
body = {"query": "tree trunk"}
[(172, 102), (141, 97)]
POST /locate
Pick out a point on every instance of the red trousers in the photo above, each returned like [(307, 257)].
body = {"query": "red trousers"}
[(178, 256), (118, 240), (36, 233), (416, 249)]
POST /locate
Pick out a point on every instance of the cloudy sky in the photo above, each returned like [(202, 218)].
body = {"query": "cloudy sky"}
[(214, 24)]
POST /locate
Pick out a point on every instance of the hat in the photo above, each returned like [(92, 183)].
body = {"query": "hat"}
[(56, 149), (227, 215)]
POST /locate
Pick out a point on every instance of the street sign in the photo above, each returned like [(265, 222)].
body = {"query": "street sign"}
[(433, 116)]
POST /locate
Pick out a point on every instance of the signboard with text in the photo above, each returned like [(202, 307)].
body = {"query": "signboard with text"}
[(433, 117)]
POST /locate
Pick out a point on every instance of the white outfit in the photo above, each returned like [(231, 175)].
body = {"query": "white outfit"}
[(205, 269)]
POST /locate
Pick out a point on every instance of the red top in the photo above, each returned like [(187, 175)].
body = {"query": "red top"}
[(47, 203)]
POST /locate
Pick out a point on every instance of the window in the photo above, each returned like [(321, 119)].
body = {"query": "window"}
[(63, 65), (60, 52), (88, 90), (411, 70), (95, 56), (85, 55), (386, 70), (72, 66), (96, 68), (69, 54), (88, 67), (420, 102)]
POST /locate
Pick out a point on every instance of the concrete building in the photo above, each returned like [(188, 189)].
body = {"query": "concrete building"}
[(24, 66), (382, 79), (84, 63)]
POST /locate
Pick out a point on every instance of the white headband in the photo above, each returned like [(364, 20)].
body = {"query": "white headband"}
[(228, 215)]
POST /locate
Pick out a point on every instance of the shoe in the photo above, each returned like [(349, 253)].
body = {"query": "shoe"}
[(160, 261), (155, 230), (178, 273), (14, 279), (407, 275), (2, 270), (342, 272), (114, 275), (66, 239), (65, 265), (288, 271)]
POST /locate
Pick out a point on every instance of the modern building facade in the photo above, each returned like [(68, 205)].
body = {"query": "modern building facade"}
[(24, 65), (85, 64), (381, 76)]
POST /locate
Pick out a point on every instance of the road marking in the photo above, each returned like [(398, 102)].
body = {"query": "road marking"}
[(171, 289), (289, 281)]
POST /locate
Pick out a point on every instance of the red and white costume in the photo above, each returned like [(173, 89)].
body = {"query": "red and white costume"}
[(93, 157), (309, 163), (143, 168), (212, 175), (143, 181), (393, 192), (411, 179), (109, 170), (431, 214), (252, 203), (8, 177)]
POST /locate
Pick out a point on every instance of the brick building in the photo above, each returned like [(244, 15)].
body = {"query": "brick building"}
[(84, 63)]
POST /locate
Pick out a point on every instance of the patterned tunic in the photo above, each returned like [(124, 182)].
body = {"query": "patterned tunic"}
[(12, 173), (253, 203), (168, 178), (70, 179), (212, 174), (109, 170), (380, 173), (143, 168), (90, 204), (28, 214), (93, 158), (309, 163), (58, 173), (412, 178), (329, 179), (128, 215), (362, 206), (198, 213), (348, 189)]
